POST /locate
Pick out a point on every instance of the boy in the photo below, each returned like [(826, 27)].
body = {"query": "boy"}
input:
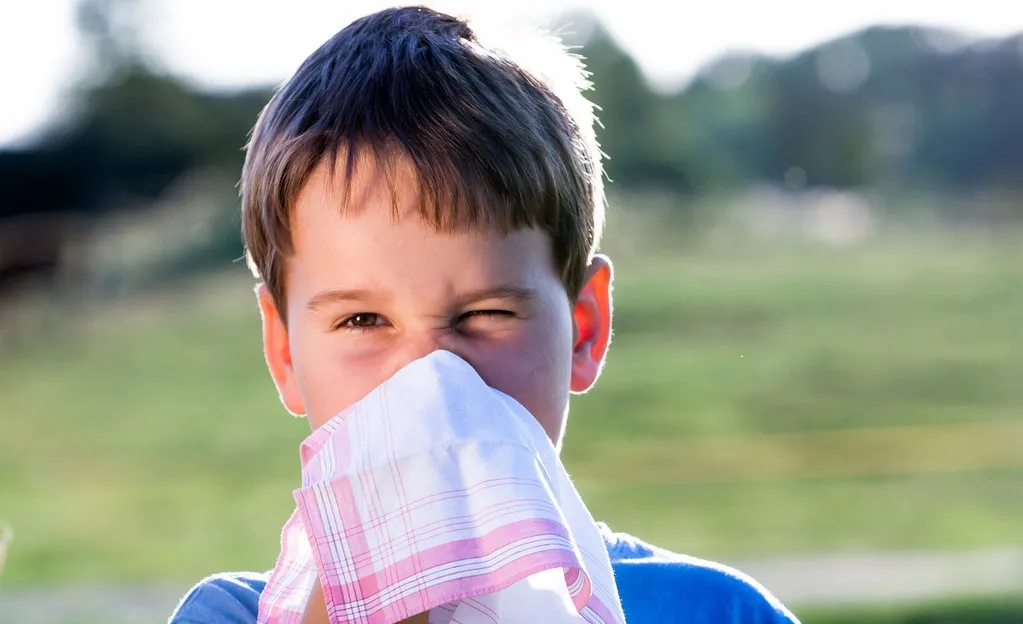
[(410, 190)]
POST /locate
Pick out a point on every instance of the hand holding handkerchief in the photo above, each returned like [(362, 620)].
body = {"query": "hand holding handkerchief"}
[(438, 493)]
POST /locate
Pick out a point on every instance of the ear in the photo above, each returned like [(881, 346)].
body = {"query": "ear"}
[(592, 318), (277, 350)]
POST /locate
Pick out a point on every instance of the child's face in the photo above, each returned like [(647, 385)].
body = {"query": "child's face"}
[(369, 292)]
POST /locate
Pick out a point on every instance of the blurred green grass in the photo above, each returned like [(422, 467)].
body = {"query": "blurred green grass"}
[(150, 445), (977, 610)]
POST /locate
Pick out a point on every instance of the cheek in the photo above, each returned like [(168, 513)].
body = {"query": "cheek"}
[(535, 371), (328, 379)]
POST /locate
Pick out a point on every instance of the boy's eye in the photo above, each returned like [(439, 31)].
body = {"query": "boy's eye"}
[(361, 320), (486, 314)]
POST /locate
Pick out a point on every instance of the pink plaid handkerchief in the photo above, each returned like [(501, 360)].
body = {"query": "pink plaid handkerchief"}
[(436, 492)]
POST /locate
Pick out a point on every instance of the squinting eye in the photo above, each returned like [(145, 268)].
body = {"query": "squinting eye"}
[(487, 313)]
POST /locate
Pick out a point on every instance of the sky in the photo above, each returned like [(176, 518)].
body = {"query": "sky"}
[(231, 43)]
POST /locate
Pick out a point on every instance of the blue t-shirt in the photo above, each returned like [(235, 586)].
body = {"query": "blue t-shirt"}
[(655, 585)]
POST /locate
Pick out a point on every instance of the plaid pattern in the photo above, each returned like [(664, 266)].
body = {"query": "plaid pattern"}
[(438, 493)]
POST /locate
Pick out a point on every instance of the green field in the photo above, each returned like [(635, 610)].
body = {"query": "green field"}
[(758, 399), (980, 610)]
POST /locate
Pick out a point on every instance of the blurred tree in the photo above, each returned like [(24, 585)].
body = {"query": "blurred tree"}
[(729, 112), (648, 138), (130, 133), (137, 129), (816, 126), (922, 107), (110, 29)]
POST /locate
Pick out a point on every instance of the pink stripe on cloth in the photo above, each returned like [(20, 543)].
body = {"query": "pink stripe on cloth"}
[(427, 493)]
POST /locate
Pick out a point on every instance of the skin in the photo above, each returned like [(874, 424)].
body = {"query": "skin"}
[(371, 289)]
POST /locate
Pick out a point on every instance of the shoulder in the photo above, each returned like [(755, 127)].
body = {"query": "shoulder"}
[(229, 598), (659, 585)]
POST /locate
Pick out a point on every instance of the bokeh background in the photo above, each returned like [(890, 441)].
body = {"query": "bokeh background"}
[(816, 213)]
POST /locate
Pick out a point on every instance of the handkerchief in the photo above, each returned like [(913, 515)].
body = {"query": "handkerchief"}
[(436, 492)]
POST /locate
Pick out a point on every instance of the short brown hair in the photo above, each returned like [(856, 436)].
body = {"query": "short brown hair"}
[(492, 144)]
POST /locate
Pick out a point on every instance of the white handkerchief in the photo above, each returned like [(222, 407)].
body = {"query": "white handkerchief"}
[(436, 492)]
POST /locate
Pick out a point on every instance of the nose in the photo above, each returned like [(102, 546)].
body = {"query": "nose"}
[(422, 344)]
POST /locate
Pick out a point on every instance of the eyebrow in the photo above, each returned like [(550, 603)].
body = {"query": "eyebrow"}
[(325, 297), (518, 294)]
